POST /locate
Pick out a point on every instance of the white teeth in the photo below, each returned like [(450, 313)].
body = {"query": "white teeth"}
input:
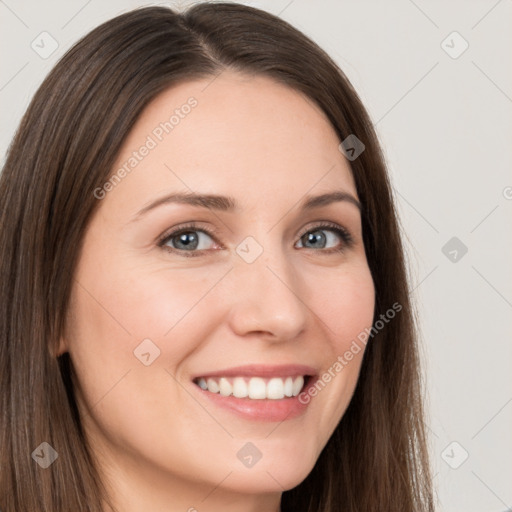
[(288, 387), (255, 388), (275, 389), (297, 385), (225, 387), (212, 385), (240, 389)]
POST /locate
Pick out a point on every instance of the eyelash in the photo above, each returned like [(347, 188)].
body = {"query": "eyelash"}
[(345, 236)]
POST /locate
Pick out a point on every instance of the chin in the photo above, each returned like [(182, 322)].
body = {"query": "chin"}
[(276, 475)]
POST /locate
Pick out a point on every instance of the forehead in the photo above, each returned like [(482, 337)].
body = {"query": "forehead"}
[(247, 136)]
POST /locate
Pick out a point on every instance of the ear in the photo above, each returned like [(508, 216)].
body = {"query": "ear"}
[(59, 348), (62, 347)]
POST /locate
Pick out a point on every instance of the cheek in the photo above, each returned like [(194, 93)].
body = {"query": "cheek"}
[(117, 306), (125, 303), (345, 306), (114, 308), (345, 303)]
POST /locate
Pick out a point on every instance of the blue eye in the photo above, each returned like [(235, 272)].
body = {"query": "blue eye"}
[(187, 240), (324, 235), (191, 240)]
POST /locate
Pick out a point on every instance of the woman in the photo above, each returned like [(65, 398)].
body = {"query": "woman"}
[(204, 298)]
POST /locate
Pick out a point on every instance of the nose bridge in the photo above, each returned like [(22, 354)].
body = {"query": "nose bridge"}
[(267, 296)]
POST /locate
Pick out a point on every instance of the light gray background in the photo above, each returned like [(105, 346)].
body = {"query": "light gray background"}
[(445, 124)]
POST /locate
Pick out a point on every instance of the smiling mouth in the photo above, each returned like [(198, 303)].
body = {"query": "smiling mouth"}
[(254, 388)]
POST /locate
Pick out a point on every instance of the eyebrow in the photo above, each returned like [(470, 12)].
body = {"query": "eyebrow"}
[(229, 204)]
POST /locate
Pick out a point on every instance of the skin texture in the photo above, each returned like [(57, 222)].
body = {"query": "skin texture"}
[(159, 446)]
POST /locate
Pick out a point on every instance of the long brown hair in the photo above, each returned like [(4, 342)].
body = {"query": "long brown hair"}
[(65, 147)]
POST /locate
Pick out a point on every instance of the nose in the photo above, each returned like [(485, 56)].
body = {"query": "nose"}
[(268, 298)]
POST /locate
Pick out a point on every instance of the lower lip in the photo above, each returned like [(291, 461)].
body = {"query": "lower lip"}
[(264, 409)]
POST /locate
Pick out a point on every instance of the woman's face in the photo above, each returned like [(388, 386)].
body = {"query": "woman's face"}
[(251, 298)]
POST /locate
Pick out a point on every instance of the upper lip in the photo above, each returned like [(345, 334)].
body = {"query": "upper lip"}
[(261, 370)]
